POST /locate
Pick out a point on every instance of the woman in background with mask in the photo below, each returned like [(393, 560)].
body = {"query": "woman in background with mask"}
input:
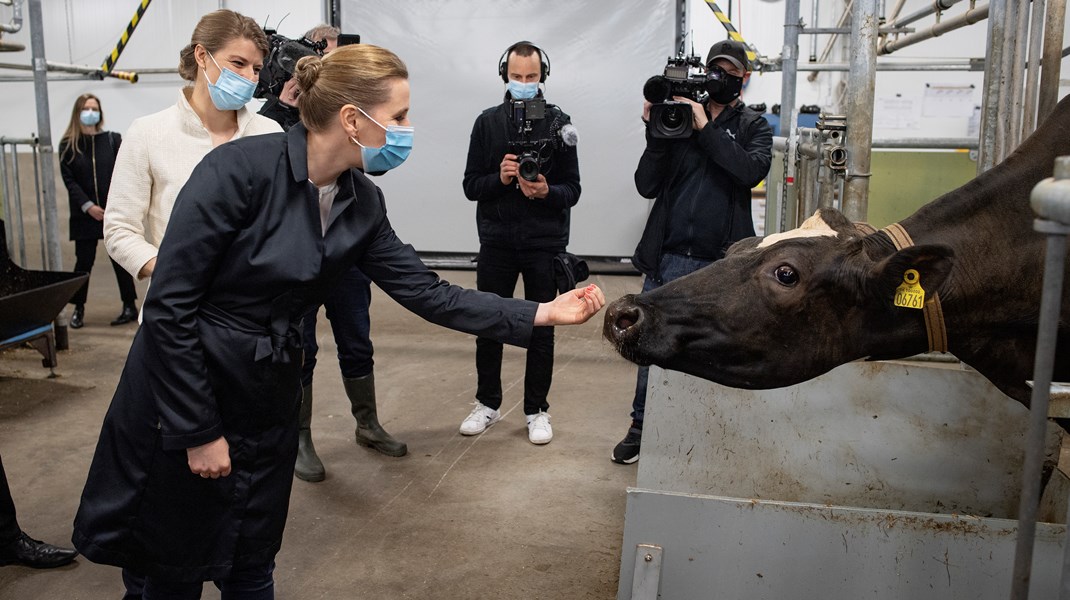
[(192, 474), (86, 160), (222, 62)]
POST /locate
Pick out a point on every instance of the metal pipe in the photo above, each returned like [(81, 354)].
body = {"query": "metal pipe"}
[(9, 204), (1051, 59), (895, 11), (928, 143), (16, 21), (813, 23), (968, 64), (1050, 200), (860, 92), (789, 81), (38, 203), (1006, 96), (829, 185), (1032, 88), (50, 226), (993, 85), (965, 19), (1021, 41), (29, 78), (935, 7), (16, 202), (832, 40)]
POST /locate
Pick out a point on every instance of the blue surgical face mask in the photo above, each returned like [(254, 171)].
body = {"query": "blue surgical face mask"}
[(391, 154), (231, 91), (89, 117), (522, 91)]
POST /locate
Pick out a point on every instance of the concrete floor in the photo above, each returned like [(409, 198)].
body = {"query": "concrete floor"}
[(490, 516)]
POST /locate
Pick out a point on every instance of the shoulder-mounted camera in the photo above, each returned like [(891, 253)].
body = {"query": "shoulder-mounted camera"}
[(685, 76)]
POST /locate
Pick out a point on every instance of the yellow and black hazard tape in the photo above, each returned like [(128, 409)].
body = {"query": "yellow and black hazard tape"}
[(733, 33), (109, 61)]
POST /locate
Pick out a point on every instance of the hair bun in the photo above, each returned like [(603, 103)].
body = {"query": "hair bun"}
[(307, 71)]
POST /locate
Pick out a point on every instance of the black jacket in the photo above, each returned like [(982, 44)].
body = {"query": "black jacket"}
[(702, 187), (83, 185), (504, 216), (219, 353)]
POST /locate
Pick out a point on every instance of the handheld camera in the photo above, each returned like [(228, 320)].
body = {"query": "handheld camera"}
[(683, 76)]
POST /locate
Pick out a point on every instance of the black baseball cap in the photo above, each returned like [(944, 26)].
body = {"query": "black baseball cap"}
[(735, 52)]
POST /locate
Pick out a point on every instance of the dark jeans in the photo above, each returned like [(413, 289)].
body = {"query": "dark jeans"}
[(9, 526), (246, 583), (496, 272), (671, 266), (347, 310), (85, 254)]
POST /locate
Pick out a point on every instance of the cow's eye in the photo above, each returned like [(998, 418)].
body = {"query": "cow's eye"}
[(786, 275)]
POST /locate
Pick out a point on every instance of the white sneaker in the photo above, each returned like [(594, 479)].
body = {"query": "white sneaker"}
[(479, 419), (539, 430)]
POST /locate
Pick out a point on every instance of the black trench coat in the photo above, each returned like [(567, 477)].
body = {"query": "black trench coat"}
[(219, 353)]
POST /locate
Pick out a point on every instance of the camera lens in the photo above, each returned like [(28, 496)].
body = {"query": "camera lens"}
[(529, 167), (670, 120)]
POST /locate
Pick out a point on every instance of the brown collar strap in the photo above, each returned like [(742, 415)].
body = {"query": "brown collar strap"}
[(933, 312)]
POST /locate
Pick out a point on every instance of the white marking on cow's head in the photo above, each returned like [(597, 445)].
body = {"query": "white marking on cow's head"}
[(815, 226)]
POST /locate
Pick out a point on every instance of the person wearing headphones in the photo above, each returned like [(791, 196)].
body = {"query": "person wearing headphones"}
[(524, 184)]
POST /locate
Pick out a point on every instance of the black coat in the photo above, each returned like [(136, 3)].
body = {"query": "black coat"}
[(219, 353), (702, 187), (87, 177), (504, 216)]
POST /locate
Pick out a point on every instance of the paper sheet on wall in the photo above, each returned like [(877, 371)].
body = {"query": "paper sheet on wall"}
[(948, 101), (895, 112)]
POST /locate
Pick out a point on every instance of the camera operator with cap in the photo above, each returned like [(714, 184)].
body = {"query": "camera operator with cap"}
[(523, 173), (701, 186)]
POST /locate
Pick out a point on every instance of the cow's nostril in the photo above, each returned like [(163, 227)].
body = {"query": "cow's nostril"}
[(627, 318)]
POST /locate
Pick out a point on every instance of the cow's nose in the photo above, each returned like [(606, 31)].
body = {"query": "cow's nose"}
[(623, 320)]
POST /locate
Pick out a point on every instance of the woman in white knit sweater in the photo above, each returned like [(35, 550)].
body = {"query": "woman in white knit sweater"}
[(159, 151)]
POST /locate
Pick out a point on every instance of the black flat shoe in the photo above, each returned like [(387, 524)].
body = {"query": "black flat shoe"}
[(77, 319), (129, 314), (29, 552)]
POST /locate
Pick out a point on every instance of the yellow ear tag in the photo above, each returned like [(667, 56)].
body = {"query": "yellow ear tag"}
[(909, 294)]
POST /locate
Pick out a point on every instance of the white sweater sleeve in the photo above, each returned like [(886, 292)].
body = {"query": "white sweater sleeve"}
[(129, 199)]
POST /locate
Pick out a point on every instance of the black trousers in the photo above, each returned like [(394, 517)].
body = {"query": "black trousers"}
[(9, 526), (497, 271), (85, 254)]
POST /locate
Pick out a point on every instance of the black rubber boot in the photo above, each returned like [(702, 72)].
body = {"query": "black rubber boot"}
[(370, 433), (309, 467)]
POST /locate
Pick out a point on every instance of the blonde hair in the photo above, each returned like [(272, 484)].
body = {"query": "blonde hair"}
[(73, 136), (215, 30), (359, 74), (323, 32)]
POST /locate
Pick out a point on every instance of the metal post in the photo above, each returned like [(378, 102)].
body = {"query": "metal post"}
[(860, 90), (832, 39), (993, 86), (789, 81), (50, 227), (37, 199), (1050, 200), (1036, 39), (9, 204), (1006, 96), (17, 203), (1017, 65), (813, 39), (1051, 59)]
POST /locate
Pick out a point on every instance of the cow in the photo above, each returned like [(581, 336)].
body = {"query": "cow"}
[(783, 309)]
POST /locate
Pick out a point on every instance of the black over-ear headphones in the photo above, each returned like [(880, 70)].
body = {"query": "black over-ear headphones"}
[(544, 61)]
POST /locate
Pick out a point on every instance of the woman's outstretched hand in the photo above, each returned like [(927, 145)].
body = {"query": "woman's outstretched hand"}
[(571, 308)]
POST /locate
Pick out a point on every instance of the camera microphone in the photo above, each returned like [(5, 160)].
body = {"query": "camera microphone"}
[(569, 135), (657, 89)]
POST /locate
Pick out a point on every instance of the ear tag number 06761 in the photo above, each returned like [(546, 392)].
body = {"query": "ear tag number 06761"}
[(910, 294)]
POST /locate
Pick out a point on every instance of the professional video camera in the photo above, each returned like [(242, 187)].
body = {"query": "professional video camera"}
[(532, 154), (282, 57), (684, 76), (283, 54)]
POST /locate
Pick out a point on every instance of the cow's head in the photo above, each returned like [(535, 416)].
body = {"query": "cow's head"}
[(782, 309)]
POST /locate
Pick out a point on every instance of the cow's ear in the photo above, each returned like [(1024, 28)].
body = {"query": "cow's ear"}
[(932, 262)]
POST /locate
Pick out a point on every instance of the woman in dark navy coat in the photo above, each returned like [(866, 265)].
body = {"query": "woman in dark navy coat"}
[(192, 473)]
